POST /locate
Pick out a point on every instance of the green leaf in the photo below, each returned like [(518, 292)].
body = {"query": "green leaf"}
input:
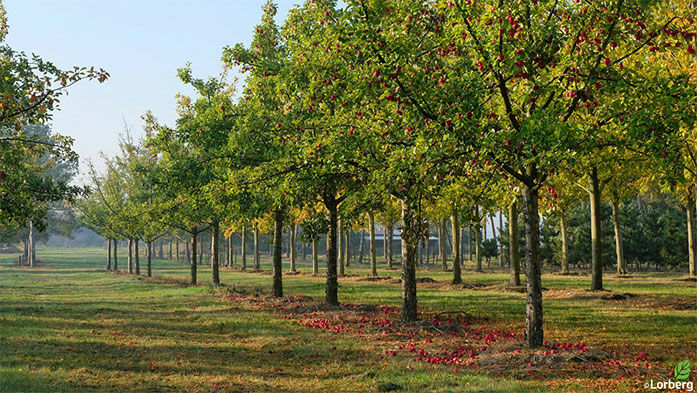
[(682, 370)]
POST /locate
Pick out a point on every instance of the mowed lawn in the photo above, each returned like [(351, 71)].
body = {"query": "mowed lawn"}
[(67, 325)]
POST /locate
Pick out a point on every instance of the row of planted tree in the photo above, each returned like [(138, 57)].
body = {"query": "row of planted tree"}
[(407, 112)]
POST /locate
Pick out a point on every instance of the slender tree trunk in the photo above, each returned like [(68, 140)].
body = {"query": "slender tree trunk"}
[(500, 238), (116, 255), (514, 265), (390, 229), (469, 242), (177, 252), (26, 249), (130, 256), (169, 253), (384, 242), (215, 268), (194, 238), (108, 258), (360, 247), (493, 236), (229, 250), (148, 263), (162, 245), (373, 254), (478, 242), (348, 248), (340, 245), (315, 257), (200, 249), (442, 239), (618, 237), (332, 292), (690, 239), (30, 246), (457, 275), (484, 234), (564, 249), (187, 251), (410, 237), (137, 256), (257, 262), (534, 334), (277, 252), (596, 232), (293, 230), (243, 248)]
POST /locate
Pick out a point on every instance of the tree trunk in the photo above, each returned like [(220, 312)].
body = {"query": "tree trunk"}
[(410, 238), (169, 253), (200, 249), (500, 238), (596, 232), (148, 263), (293, 230), (478, 241), (277, 252), (360, 246), (257, 262), (469, 242), (493, 236), (442, 239), (108, 258), (137, 256), (332, 292), (215, 236), (30, 246), (130, 256), (484, 234), (187, 251), (690, 239), (373, 254), (162, 245), (340, 245), (390, 229), (229, 252), (243, 247), (514, 264), (564, 249), (315, 257), (457, 275), (194, 238), (176, 250), (348, 248), (533, 274), (116, 255), (618, 238)]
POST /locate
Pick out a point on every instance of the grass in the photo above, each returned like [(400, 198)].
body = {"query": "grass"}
[(67, 325)]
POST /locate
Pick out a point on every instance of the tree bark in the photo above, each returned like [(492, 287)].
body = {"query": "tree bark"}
[(690, 239), (169, 253), (618, 238), (293, 230), (332, 291), (390, 229), (533, 311), (457, 275), (137, 256), (478, 241), (108, 258), (340, 246), (215, 236), (596, 232), (277, 252), (500, 238), (469, 242), (148, 262), (442, 239), (373, 254), (188, 253), (176, 250), (130, 256), (514, 265), (194, 238), (410, 239), (564, 249), (162, 245), (257, 262), (493, 236), (348, 248), (360, 246)]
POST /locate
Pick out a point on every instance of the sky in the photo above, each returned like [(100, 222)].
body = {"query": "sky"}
[(141, 44)]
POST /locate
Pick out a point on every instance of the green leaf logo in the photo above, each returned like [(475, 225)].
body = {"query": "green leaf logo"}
[(682, 370)]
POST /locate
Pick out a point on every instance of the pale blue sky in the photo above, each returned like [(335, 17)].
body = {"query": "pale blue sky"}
[(141, 43)]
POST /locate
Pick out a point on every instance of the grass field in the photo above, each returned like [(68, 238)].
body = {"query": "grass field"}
[(67, 325)]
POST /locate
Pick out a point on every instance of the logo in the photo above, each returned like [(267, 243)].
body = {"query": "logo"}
[(681, 372)]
